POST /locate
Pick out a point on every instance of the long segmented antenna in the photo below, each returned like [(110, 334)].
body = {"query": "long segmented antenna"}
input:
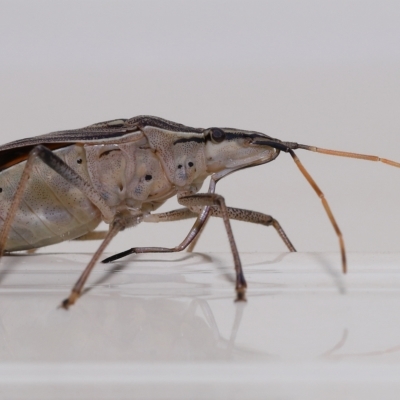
[(345, 154), (326, 206), (359, 156), (288, 147)]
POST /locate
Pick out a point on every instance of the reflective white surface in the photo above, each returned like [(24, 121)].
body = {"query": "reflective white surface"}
[(166, 326)]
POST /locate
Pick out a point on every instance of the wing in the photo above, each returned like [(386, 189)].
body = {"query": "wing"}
[(102, 132)]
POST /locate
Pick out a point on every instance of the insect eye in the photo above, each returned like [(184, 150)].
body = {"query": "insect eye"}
[(217, 135)]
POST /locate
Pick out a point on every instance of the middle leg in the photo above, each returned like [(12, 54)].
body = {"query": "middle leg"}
[(206, 201)]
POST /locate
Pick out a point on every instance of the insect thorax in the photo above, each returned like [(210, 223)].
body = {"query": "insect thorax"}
[(145, 172)]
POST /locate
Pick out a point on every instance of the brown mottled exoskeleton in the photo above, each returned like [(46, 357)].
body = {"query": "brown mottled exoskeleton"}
[(60, 186)]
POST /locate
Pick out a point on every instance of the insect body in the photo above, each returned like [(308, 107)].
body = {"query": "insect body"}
[(60, 186)]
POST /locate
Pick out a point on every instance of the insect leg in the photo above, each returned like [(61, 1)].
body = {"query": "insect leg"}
[(50, 159), (238, 214), (94, 235), (77, 289), (254, 217), (217, 201), (174, 215), (177, 215), (192, 245), (121, 221), (199, 200), (194, 231)]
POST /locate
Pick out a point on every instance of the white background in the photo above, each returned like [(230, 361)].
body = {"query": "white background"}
[(315, 72)]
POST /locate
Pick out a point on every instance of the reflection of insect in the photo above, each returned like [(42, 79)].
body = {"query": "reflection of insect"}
[(60, 186)]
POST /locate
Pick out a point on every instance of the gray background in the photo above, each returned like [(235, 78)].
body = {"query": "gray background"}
[(320, 73)]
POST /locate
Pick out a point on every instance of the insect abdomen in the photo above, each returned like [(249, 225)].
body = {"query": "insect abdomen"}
[(52, 210)]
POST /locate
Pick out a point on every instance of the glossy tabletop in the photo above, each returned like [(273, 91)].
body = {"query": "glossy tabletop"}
[(166, 326)]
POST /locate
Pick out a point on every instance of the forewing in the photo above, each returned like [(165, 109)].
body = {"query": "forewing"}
[(17, 151), (108, 131)]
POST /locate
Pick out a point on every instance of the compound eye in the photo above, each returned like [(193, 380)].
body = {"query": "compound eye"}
[(217, 135)]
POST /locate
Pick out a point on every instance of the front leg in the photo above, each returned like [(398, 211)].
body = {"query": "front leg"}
[(218, 202), (238, 214)]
